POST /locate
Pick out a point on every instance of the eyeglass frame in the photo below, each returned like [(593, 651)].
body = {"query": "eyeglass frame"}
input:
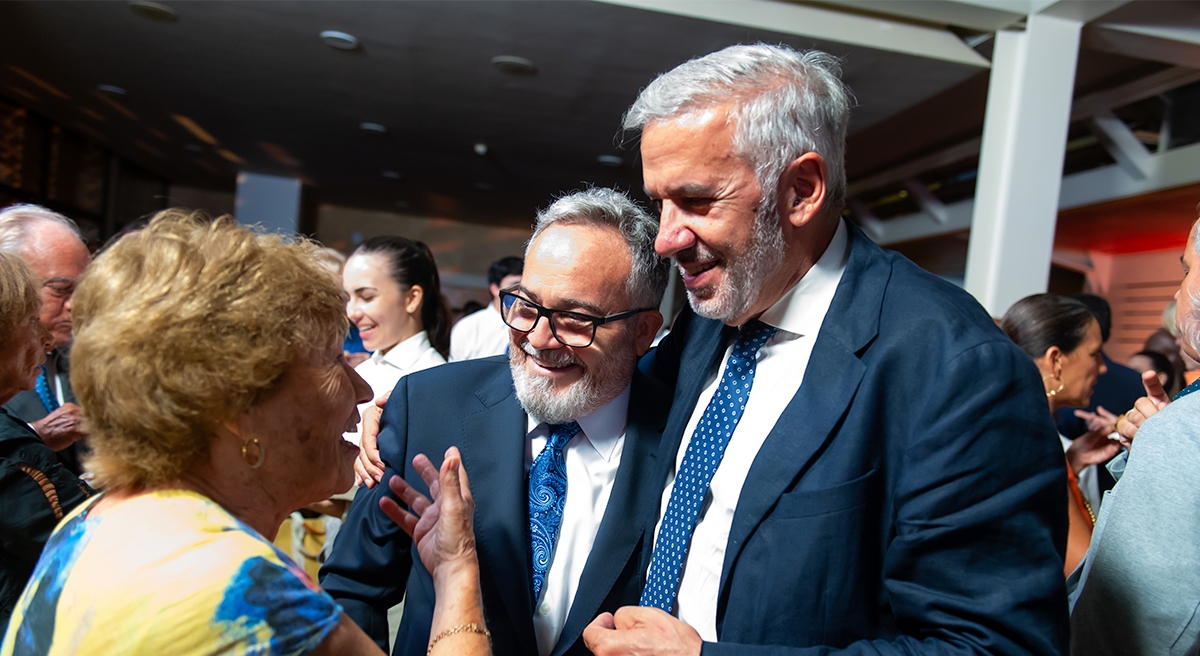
[(543, 311)]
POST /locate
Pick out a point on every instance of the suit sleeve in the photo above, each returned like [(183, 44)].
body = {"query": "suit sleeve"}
[(38, 492), (371, 557), (978, 502)]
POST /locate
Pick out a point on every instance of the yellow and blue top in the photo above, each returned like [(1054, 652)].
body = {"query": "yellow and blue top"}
[(167, 572)]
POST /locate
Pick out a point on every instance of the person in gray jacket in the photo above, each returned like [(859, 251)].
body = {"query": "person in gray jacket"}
[(1139, 588)]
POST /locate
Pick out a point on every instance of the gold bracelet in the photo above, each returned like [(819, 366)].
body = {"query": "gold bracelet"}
[(461, 628)]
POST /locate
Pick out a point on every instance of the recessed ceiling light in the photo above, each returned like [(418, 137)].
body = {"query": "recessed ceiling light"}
[(514, 65), (339, 40), (373, 128), (154, 11), (481, 149), (111, 90), (611, 161), (391, 175)]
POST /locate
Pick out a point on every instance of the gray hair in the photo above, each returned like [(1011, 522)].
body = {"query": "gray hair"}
[(16, 220), (785, 103), (608, 207)]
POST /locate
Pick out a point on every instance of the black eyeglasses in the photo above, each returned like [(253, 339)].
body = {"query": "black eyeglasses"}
[(573, 329)]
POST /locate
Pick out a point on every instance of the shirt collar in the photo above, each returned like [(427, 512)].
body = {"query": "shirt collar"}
[(802, 308), (602, 429), (404, 355)]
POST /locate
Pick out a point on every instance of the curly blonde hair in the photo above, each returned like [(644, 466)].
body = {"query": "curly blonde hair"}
[(19, 294), (184, 325)]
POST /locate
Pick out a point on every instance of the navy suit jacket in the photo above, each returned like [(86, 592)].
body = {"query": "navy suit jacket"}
[(472, 405), (912, 497)]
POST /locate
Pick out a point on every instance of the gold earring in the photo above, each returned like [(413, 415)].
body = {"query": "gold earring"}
[(262, 453), (1051, 393)]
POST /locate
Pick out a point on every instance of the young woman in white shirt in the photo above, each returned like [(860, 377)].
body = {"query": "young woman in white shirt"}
[(395, 301)]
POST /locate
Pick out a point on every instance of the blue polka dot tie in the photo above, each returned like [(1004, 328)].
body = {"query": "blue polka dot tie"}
[(700, 462), (44, 392), (547, 496)]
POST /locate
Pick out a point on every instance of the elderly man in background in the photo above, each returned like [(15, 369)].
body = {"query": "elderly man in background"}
[(558, 438), (482, 334), (53, 247), (857, 461), (1139, 586)]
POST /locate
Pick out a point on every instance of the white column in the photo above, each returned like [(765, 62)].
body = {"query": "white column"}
[(270, 201), (1021, 159)]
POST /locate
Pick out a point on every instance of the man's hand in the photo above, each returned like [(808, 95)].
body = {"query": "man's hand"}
[(61, 428), (368, 468), (642, 631), (1156, 399)]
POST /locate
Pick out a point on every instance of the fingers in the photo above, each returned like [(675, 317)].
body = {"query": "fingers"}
[(368, 471), (463, 482), (404, 519), (1154, 389), (429, 474), (1108, 416), (382, 401), (596, 633), (1147, 408), (1128, 426), (418, 502)]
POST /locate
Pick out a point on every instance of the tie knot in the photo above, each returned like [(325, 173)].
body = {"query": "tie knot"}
[(560, 434), (752, 336)]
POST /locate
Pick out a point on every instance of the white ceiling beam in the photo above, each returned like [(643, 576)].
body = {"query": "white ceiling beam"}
[(1178, 45), (1121, 144), (1086, 107), (960, 14), (930, 204), (824, 24), (1174, 168)]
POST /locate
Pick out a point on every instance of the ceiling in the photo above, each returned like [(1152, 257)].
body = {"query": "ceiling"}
[(272, 98), (261, 92)]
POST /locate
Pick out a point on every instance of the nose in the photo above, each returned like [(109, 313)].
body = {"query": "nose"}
[(67, 304), (541, 337), (362, 391), (1103, 368), (353, 311), (673, 234)]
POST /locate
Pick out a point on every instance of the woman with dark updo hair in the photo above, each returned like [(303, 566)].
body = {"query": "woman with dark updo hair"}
[(1063, 339)]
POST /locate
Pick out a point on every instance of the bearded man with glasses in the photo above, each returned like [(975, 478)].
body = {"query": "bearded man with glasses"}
[(558, 439)]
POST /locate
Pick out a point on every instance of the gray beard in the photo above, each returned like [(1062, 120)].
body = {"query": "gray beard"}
[(544, 403), (744, 280)]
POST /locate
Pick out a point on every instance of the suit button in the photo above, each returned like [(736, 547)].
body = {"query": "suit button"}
[(545, 609)]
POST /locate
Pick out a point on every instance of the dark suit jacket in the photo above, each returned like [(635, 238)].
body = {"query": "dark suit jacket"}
[(472, 405), (912, 496), (28, 407)]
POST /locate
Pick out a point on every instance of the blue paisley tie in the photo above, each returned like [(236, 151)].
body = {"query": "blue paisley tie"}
[(700, 462), (44, 392), (547, 496)]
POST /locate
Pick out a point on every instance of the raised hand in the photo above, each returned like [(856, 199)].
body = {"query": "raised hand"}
[(442, 528)]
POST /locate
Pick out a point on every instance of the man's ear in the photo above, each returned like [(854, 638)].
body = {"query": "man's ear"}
[(647, 327), (802, 189)]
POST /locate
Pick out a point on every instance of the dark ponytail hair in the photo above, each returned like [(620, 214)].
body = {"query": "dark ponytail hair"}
[(412, 264), (1040, 321)]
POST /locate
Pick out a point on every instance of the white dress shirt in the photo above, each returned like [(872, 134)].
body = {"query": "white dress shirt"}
[(479, 335), (383, 370), (780, 371), (592, 458)]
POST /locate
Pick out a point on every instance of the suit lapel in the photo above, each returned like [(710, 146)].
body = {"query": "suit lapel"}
[(493, 452), (832, 377), (618, 536)]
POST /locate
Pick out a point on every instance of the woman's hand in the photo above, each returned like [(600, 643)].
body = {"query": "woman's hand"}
[(1156, 399), (1092, 448), (442, 529)]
